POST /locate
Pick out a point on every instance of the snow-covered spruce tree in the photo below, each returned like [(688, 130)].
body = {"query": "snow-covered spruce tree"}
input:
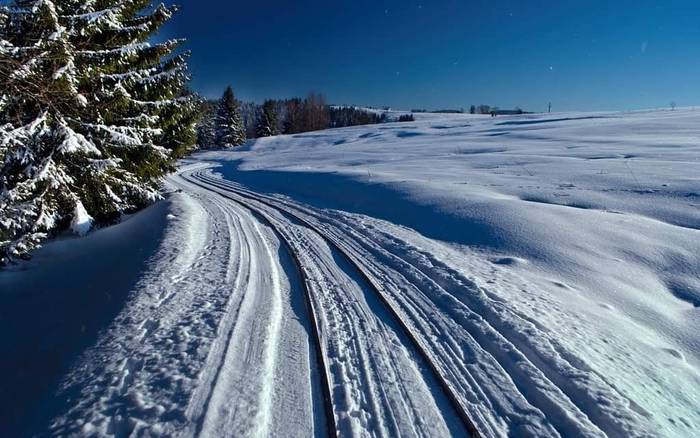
[(230, 130), (206, 128), (91, 115), (267, 122)]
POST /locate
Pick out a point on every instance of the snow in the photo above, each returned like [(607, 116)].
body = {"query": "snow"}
[(127, 50), (55, 305), (108, 17), (125, 136), (548, 265), (74, 142), (82, 100), (81, 224), (592, 220), (67, 71)]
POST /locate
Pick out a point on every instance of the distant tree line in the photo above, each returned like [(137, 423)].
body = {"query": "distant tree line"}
[(228, 122), (449, 111), (349, 116), (494, 110), (474, 109), (479, 109)]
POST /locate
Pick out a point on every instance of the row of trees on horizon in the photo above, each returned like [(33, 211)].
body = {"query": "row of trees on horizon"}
[(227, 122), (475, 109)]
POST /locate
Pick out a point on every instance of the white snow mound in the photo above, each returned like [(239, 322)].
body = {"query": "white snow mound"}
[(82, 221)]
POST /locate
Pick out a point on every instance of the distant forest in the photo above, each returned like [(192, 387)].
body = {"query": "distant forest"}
[(476, 109), (227, 122)]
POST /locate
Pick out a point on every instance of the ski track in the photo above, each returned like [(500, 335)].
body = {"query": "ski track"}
[(215, 339), (514, 377), (214, 342), (204, 343), (379, 385)]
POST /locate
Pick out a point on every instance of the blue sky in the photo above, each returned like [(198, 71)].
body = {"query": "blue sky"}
[(580, 55)]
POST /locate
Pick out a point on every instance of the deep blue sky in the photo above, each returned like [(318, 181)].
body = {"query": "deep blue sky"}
[(578, 54)]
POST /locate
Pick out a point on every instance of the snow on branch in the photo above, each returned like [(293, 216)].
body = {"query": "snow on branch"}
[(125, 136), (74, 142)]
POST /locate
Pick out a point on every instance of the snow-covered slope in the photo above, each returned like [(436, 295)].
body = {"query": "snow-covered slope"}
[(54, 306), (586, 224), (521, 276)]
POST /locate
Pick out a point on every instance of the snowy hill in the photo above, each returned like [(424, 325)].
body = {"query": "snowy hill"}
[(517, 276), (589, 224)]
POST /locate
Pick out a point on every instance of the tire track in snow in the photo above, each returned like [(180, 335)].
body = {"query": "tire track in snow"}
[(575, 399), (221, 427), (239, 400)]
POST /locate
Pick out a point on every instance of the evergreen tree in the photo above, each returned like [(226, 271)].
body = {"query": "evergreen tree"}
[(206, 129), (91, 115), (230, 130), (267, 122)]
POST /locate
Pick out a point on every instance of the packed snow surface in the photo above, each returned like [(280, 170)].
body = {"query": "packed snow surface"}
[(547, 268)]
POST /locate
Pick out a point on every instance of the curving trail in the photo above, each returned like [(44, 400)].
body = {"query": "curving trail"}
[(213, 343), (358, 325), (264, 317), (509, 374)]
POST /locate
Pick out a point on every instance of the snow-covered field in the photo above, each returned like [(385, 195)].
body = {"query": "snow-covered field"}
[(539, 273)]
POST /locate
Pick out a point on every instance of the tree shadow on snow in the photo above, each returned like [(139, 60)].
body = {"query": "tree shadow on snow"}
[(382, 201), (53, 307)]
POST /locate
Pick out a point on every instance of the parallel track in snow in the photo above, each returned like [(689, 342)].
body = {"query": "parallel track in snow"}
[(243, 195), (320, 356)]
